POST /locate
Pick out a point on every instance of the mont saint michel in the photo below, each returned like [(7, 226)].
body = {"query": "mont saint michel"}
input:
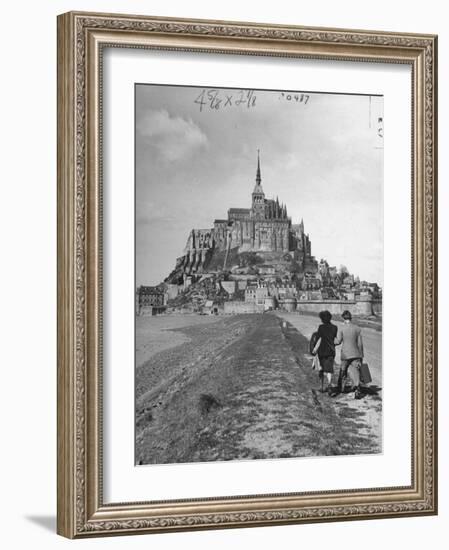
[(256, 259), (259, 254)]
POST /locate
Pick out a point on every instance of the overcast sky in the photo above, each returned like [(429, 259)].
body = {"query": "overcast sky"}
[(321, 155)]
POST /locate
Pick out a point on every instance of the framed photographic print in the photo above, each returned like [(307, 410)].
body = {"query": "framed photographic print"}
[(246, 274)]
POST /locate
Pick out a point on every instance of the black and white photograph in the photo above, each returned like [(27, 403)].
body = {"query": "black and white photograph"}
[(258, 274), (223, 235)]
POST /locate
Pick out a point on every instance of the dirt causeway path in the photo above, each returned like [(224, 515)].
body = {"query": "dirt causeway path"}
[(241, 387)]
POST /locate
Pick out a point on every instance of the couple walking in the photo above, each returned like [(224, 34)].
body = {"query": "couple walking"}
[(350, 338)]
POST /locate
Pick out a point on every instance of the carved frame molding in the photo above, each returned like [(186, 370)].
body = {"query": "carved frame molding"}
[(81, 38)]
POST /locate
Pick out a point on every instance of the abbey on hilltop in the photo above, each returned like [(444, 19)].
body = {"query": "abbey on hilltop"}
[(253, 261), (264, 229)]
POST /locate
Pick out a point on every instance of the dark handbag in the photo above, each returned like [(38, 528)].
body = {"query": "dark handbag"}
[(313, 340), (365, 375)]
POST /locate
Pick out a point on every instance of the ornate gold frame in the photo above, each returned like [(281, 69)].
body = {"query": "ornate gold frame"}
[(81, 37)]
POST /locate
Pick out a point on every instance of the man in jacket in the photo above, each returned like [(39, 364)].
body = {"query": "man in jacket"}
[(350, 336)]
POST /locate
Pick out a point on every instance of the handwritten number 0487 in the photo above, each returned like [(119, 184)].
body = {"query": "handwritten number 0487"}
[(299, 98)]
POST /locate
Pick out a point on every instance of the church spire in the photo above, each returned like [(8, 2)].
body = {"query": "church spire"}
[(258, 187), (258, 177), (258, 196)]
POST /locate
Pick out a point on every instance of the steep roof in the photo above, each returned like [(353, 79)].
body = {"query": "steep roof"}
[(150, 290), (239, 210)]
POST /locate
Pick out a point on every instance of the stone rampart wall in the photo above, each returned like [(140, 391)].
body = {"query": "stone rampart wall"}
[(336, 307), (236, 307)]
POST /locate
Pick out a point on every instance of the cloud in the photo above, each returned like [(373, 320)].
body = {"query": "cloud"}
[(173, 137)]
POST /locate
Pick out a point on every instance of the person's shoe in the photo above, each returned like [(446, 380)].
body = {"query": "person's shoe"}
[(358, 394)]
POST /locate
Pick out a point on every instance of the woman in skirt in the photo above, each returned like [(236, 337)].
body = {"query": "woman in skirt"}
[(325, 347)]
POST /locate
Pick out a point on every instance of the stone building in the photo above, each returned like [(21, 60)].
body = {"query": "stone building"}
[(256, 294), (149, 300), (264, 228)]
